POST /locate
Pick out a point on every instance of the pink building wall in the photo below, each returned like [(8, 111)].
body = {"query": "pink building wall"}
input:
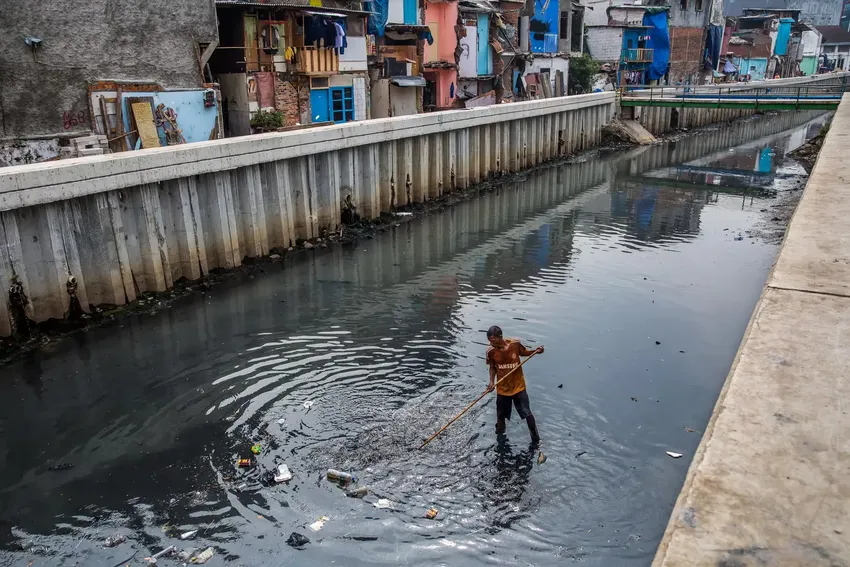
[(441, 18)]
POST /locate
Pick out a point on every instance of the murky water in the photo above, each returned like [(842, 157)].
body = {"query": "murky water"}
[(600, 261)]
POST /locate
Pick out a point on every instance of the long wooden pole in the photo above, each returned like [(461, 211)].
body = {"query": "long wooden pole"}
[(478, 399)]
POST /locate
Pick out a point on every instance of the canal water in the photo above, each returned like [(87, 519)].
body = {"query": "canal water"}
[(638, 271)]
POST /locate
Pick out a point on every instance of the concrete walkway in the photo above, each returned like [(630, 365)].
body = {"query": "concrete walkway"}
[(770, 482)]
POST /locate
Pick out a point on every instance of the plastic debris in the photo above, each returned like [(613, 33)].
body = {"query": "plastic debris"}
[(256, 449), (281, 421), (203, 556), (60, 467), (541, 458), (245, 463), (114, 540), (155, 556), (283, 474), (658, 342), (404, 214), (674, 455), (358, 492), (243, 486), (308, 404), (431, 513), (689, 430), (189, 534), (560, 385), (297, 541), (319, 524), (580, 453), (341, 477), (384, 504)]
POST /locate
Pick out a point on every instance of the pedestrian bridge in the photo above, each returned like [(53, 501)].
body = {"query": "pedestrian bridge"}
[(819, 92)]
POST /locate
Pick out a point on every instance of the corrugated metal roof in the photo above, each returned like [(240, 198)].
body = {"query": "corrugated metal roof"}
[(408, 81), (834, 34)]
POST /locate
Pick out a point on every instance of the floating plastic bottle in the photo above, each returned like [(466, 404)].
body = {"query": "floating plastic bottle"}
[(360, 492), (341, 477)]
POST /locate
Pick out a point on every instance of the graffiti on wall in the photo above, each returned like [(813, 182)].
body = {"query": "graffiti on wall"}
[(74, 118)]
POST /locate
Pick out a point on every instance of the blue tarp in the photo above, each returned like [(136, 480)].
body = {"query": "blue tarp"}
[(713, 45), (378, 20), (659, 41)]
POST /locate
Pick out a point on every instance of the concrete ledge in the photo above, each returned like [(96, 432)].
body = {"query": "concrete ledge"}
[(769, 484), (84, 176)]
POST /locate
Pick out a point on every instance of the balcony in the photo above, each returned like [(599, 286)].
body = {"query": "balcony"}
[(317, 61), (638, 55)]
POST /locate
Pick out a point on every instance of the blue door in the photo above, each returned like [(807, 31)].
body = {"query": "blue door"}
[(410, 10), (485, 62), (319, 107)]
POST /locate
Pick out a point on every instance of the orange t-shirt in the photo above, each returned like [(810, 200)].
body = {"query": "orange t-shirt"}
[(504, 360)]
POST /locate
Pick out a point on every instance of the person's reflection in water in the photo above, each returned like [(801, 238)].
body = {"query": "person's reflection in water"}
[(504, 492)]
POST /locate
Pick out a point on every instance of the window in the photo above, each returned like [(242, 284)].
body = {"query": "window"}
[(698, 5), (564, 30), (577, 31), (342, 104), (684, 5)]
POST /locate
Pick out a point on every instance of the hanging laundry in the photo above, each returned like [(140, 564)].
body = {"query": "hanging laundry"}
[(426, 36), (340, 41), (270, 37)]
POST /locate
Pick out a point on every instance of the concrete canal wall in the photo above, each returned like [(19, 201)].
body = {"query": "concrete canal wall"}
[(106, 229), (102, 230), (659, 120), (768, 484)]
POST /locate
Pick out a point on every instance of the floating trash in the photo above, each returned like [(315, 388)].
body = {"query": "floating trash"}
[(384, 504), (283, 474), (674, 455), (358, 492), (203, 556), (245, 463), (308, 404), (431, 513), (189, 534), (114, 540), (256, 449), (297, 541), (319, 524)]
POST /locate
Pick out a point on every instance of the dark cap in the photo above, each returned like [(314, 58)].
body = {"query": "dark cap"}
[(494, 331)]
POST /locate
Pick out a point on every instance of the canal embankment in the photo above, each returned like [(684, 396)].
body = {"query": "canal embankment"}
[(768, 484), (714, 139)]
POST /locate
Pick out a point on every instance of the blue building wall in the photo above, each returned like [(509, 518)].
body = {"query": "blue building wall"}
[(193, 118), (782, 36), (543, 26), (756, 67)]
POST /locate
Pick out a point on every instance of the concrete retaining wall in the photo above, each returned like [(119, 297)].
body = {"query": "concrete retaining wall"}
[(659, 120), (768, 484), (106, 229)]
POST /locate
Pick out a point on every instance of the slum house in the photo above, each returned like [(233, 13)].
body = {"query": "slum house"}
[(396, 63), (835, 49), (781, 27), (816, 12), (64, 72), (749, 51), (634, 40), (475, 54), (440, 60), (810, 39), (547, 72), (298, 64)]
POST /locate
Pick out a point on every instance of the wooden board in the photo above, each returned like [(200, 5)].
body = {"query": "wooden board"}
[(145, 124)]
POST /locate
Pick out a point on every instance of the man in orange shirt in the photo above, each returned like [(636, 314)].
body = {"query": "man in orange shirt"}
[(503, 355)]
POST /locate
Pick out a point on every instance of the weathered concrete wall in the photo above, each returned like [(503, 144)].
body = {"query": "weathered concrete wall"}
[(768, 484), (659, 120), (130, 223), (89, 41)]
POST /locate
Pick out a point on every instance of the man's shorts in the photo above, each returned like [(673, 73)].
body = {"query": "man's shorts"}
[(520, 400)]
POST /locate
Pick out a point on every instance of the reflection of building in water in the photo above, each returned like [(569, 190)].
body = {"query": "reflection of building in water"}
[(654, 214)]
